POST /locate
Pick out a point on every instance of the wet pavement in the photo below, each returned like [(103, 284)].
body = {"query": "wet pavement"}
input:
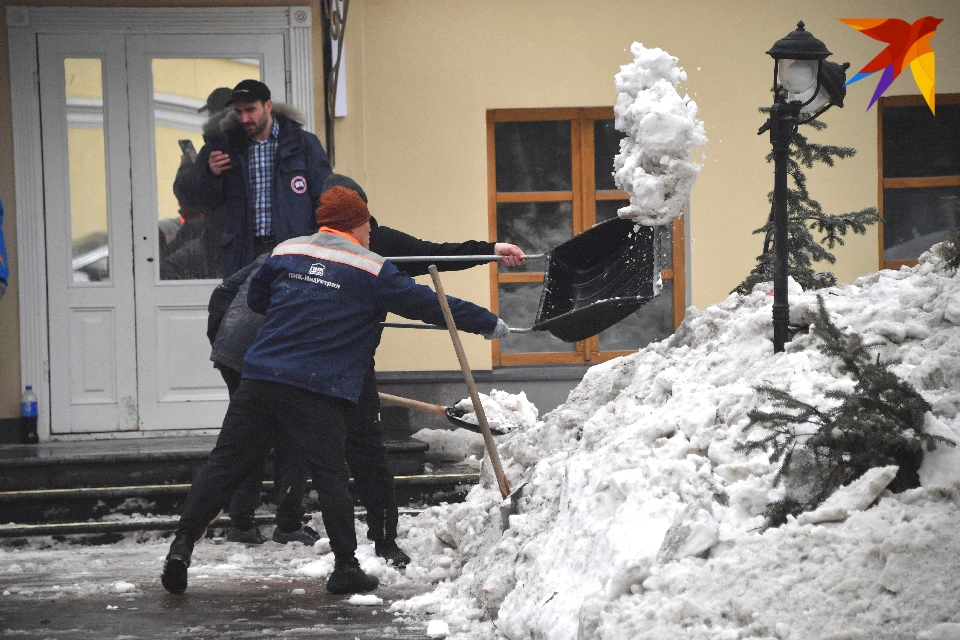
[(231, 610), (115, 592)]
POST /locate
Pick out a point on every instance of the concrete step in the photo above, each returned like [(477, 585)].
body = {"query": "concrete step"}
[(141, 461), (65, 507)]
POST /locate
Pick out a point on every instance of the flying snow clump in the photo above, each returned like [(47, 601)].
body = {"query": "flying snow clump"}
[(654, 165)]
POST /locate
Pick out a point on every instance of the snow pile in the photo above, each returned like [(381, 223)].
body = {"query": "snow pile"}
[(638, 519), (505, 412), (654, 164)]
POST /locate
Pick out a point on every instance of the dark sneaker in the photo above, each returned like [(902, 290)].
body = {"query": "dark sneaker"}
[(304, 534), (348, 577), (174, 576), (389, 551), (245, 536)]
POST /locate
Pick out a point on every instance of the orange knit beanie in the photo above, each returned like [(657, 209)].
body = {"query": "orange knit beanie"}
[(342, 209)]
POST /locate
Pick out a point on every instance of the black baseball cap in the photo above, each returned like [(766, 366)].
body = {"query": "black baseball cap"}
[(217, 100), (249, 91)]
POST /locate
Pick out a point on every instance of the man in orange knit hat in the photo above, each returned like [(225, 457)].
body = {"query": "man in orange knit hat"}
[(323, 297)]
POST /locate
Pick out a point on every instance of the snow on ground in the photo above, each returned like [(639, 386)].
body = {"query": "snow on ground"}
[(637, 519), (654, 165)]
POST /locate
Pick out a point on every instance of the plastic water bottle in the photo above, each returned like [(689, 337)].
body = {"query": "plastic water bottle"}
[(28, 417)]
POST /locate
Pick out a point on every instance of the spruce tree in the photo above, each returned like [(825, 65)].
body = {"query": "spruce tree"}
[(805, 214), (877, 424), (951, 250)]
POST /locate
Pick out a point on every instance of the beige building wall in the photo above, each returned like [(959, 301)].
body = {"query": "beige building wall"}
[(430, 69), (422, 73)]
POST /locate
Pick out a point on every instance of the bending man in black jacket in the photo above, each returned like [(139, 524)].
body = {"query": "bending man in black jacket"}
[(232, 328)]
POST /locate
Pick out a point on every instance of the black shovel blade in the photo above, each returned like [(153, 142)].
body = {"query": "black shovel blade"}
[(598, 278), (455, 416)]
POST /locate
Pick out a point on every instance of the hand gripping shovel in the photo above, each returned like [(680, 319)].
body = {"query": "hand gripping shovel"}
[(507, 507), (452, 414)]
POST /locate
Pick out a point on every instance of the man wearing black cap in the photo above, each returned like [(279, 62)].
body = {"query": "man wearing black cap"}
[(267, 172)]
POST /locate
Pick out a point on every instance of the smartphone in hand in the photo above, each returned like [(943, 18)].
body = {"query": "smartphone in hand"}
[(186, 147)]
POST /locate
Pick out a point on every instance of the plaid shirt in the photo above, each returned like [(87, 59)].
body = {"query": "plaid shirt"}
[(260, 156)]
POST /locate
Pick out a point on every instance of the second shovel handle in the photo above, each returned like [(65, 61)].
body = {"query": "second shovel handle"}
[(416, 405), (471, 385)]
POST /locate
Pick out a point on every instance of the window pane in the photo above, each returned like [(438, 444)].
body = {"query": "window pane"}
[(189, 234), (916, 219), (535, 227), (653, 321), (87, 166), (518, 308), (606, 145), (917, 144), (533, 156), (607, 210)]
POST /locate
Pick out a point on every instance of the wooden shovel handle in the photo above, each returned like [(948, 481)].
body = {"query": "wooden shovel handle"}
[(471, 385), (416, 405)]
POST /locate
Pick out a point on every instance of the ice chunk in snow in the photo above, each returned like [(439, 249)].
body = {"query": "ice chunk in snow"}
[(122, 586), (692, 533), (365, 600), (437, 629), (856, 496), (318, 568)]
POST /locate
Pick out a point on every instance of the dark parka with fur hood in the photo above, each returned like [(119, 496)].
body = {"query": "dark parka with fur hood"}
[(299, 170)]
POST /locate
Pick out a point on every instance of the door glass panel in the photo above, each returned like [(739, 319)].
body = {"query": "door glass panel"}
[(189, 233), (518, 308), (533, 156), (87, 168), (535, 227)]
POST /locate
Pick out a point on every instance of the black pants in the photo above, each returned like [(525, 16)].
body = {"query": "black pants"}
[(290, 479), (367, 457), (258, 414)]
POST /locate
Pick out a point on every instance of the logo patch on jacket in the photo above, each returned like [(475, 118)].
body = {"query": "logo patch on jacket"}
[(316, 269), (299, 185)]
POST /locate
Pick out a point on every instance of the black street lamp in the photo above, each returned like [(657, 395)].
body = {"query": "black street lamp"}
[(803, 83)]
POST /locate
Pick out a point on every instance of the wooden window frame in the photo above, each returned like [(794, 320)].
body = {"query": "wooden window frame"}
[(904, 183), (583, 182)]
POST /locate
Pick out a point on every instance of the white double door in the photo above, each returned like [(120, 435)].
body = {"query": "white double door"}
[(127, 319)]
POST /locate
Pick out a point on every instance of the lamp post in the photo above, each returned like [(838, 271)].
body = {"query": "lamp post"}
[(804, 83)]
